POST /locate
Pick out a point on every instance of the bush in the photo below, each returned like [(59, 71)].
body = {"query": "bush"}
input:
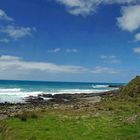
[(24, 119)]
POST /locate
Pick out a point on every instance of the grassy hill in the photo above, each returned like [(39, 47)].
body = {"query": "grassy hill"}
[(133, 88)]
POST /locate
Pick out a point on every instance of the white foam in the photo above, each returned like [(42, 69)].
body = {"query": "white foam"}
[(22, 94), (78, 91), (100, 86), (10, 90), (17, 95)]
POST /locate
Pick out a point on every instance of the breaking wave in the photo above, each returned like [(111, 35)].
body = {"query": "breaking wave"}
[(17, 95), (100, 86)]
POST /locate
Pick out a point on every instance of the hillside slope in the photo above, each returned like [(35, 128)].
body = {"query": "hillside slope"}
[(132, 88)]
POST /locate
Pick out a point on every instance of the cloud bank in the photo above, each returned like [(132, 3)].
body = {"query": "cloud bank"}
[(19, 65)]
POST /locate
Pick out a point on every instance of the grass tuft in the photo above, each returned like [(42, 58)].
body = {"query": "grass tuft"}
[(27, 115)]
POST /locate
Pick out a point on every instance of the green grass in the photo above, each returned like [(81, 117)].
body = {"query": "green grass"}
[(107, 121), (54, 128)]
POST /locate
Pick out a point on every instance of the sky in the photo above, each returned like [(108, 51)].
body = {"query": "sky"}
[(70, 40)]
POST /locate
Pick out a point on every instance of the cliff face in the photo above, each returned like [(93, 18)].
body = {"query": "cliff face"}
[(132, 88)]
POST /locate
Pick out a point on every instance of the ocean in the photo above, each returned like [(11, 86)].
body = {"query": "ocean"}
[(15, 91)]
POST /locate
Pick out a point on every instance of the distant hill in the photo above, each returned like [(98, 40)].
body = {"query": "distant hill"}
[(132, 88)]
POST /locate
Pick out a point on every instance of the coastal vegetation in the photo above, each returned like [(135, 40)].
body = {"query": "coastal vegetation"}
[(115, 117)]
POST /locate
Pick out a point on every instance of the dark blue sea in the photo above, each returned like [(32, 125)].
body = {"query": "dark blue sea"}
[(16, 91)]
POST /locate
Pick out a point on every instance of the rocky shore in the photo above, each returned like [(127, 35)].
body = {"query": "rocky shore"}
[(47, 101)]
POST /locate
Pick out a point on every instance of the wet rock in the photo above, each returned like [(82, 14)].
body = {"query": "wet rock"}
[(47, 95)]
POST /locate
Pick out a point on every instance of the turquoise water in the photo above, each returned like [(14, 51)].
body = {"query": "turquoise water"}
[(16, 91)]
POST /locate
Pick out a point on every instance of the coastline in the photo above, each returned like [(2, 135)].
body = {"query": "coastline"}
[(99, 116), (61, 101), (19, 91)]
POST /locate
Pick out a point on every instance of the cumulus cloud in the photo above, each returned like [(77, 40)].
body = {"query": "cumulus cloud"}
[(11, 31), (137, 50), (110, 59), (8, 63), (130, 19), (87, 7), (137, 37), (4, 16), (16, 32)]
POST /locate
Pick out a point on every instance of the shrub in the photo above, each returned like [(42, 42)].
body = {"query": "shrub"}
[(23, 118)]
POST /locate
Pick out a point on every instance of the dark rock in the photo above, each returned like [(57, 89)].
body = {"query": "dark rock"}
[(47, 95), (115, 86)]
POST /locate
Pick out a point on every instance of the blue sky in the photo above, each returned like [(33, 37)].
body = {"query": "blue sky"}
[(70, 40)]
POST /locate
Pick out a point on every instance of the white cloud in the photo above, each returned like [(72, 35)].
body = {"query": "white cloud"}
[(4, 16), (78, 7), (16, 32), (71, 50), (86, 7), (130, 19), (4, 40), (110, 59), (137, 50), (137, 37), (55, 50), (107, 57), (9, 58), (12, 31), (8, 63), (105, 70)]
